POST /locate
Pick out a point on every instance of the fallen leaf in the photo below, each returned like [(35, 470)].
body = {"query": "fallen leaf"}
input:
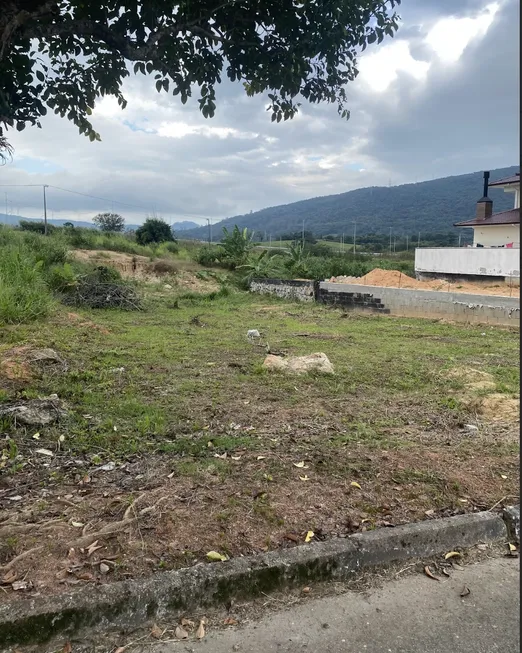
[(36, 436), (104, 569), (230, 621), (304, 478), (67, 648), (120, 649), (156, 631), (452, 554), (446, 573), (260, 457), (236, 457), (355, 484), (306, 590), (292, 537), (180, 633), (501, 476), (300, 464), (200, 632), (77, 524), (187, 623), (268, 477), (512, 547), (429, 513), (45, 452), (171, 474), (429, 573), (309, 536), (216, 557), (223, 456), (9, 578), (465, 591)]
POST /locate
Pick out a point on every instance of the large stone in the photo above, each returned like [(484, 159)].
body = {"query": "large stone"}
[(35, 412), (317, 362)]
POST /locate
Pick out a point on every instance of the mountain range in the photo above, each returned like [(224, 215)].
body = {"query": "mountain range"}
[(426, 207)]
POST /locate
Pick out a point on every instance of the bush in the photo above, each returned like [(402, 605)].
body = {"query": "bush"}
[(164, 267), (36, 226), (61, 278), (24, 295), (154, 230), (208, 255)]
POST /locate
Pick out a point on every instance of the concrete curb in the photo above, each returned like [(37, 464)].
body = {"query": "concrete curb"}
[(135, 603)]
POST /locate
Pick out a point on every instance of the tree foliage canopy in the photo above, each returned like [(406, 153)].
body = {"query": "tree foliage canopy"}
[(109, 221), (154, 230), (64, 54)]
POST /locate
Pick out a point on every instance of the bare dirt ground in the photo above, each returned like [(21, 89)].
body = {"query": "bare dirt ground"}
[(143, 269), (396, 279)]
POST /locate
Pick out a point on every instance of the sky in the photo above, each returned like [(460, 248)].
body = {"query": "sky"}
[(441, 98)]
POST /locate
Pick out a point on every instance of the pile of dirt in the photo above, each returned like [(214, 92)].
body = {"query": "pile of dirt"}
[(397, 279), (494, 406), (21, 363)]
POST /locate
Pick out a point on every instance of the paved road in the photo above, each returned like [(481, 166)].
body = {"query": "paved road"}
[(409, 615)]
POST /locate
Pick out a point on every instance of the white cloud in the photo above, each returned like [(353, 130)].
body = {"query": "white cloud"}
[(379, 69), (450, 36)]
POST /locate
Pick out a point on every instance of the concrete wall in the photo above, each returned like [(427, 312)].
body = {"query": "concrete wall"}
[(467, 261), (494, 235), (460, 307), (302, 291)]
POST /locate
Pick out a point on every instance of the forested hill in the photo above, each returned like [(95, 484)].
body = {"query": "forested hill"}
[(428, 206)]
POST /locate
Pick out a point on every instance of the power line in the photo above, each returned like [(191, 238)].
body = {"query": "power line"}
[(75, 192)]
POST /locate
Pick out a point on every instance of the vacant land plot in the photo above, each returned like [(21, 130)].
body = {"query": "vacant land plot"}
[(177, 442)]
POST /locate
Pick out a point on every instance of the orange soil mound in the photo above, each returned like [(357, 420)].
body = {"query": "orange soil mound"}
[(396, 279)]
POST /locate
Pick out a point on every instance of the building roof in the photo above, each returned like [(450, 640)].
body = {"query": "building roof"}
[(507, 181), (504, 217)]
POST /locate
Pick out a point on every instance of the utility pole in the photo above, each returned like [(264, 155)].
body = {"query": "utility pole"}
[(418, 240), (354, 235), (45, 210), (407, 243), (209, 231)]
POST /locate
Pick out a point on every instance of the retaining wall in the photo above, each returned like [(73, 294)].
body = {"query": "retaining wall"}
[(461, 307), (302, 290), (403, 302)]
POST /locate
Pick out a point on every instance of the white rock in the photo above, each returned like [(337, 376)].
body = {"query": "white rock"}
[(317, 362), (253, 333)]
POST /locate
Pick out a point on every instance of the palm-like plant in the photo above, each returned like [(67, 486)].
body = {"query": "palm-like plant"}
[(263, 266)]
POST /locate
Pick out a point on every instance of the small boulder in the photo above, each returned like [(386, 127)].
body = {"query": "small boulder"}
[(35, 412), (317, 362)]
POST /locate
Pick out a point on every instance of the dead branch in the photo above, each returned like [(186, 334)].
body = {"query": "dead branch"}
[(17, 558)]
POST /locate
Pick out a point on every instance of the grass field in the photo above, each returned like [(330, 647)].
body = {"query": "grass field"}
[(171, 410)]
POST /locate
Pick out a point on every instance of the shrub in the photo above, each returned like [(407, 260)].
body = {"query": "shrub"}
[(154, 230), (36, 226), (61, 278), (208, 255), (24, 295), (164, 267)]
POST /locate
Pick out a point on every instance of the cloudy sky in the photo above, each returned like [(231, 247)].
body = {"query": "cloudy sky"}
[(441, 98)]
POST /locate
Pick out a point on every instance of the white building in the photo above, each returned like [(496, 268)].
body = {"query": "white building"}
[(496, 229), (496, 242)]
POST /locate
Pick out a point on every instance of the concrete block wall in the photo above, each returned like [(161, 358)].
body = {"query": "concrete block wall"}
[(300, 290), (460, 307), (351, 301)]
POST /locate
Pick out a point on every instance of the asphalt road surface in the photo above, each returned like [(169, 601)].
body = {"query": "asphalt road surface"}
[(412, 614)]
